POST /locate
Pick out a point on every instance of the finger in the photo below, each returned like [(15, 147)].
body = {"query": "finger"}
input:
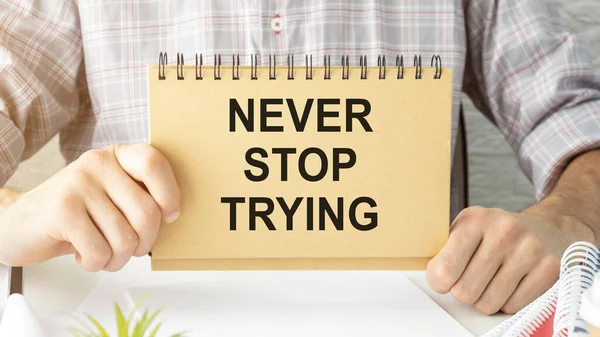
[(501, 287), (145, 164), (446, 268), (479, 272), (121, 237), (64, 248), (533, 285), (138, 207), (91, 247)]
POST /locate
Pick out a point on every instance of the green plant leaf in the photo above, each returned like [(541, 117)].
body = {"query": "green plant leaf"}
[(101, 331), (155, 330), (83, 324), (151, 320), (136, 307), (139, 329), (181, 334), (76, 332), (122, 326)]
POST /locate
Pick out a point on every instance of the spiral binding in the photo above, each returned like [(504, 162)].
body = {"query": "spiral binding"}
[(400, 64), (290, 70), (363, 67), (436, 61), (382, 67), (579, 264), (345, 68), (162, 62), (180, 75), (254, 67), (419, 66), (198, 68), (273, 75), (217, 68), (235, 67), (533, 316), (327, 63), (438, 66)]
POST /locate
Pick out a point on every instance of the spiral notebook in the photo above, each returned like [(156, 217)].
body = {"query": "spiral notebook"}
[(282, 164), (556, 313)]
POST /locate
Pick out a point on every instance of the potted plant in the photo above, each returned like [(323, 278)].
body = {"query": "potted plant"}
[(146, 326)]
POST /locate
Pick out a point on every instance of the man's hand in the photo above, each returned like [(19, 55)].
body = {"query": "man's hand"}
[(498, 260), (105, 207)]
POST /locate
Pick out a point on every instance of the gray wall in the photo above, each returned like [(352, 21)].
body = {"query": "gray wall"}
[(491, 161)]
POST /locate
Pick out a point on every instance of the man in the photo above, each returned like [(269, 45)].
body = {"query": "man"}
[(79, 68)]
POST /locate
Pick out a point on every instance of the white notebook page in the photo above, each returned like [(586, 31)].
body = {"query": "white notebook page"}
[(4, 286), (271, 303)]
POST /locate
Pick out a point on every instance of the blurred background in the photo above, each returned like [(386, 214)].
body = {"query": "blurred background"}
[(495, 177)]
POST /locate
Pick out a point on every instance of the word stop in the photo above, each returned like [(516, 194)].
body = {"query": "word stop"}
[(343, 158)]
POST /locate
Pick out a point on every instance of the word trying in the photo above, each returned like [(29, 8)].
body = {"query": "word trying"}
[(324, 211)]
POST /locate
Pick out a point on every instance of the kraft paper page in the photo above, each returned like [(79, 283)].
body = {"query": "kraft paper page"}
[(304, 174)]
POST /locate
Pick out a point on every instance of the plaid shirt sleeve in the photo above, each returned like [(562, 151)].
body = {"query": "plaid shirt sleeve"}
[(41, 67), (534, 79)]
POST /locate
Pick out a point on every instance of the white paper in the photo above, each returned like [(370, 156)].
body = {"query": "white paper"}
[(297, 303), (19, 320), (4, 286)]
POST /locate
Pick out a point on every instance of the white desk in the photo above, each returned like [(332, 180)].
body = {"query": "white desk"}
[(59, 286)]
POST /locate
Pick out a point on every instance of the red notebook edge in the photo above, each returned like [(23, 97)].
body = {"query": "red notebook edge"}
[(546, 329)]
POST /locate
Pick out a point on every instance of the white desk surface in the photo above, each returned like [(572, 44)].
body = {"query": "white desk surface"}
[(59, 286)]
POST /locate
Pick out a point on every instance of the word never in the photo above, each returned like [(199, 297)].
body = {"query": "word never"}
[(300, 122)]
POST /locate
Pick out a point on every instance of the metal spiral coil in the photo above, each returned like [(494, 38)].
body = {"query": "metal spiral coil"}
[(273, 73), (180, 75), (345, 68), (438, 66), (217, 67), (290, 68), (382, 67), (436, 63), (327, 64), (199, 67), (254, 67), (235, 67), (400, 65), (162, 62), (363, 67), (419, 72), (309, 75)]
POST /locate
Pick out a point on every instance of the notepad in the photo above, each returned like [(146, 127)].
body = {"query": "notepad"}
[(556, 312), (286, 165)]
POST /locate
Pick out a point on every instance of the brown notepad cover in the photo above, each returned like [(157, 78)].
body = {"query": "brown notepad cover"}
[(303, 173)]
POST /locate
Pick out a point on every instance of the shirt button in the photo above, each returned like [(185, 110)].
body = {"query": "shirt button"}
[(276, 23)]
